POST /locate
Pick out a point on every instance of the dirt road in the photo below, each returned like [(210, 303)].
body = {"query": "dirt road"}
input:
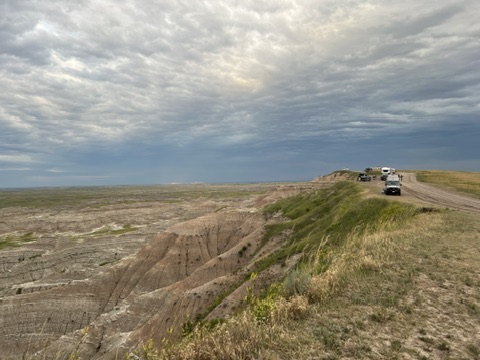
[(436, 196)]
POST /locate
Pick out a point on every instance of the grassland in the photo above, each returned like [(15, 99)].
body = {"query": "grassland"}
[(467, 182), (377, 280)]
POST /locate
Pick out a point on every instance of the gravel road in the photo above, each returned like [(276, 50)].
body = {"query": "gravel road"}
[(436, 196)]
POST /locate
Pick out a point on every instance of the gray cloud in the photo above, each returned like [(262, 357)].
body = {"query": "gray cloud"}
[(115, 76)]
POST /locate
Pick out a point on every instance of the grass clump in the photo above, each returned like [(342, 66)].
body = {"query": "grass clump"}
[(9, 241)]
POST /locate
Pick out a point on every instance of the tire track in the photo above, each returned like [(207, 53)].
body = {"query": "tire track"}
[(435, 196)]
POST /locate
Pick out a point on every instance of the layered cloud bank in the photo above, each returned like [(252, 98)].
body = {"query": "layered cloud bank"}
[(100, 92)]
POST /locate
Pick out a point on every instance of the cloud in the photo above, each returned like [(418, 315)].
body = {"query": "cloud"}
[(17, 158), (113, 78), (11, 169)]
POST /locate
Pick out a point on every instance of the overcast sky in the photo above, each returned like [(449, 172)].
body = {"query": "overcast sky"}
[(103, 92)]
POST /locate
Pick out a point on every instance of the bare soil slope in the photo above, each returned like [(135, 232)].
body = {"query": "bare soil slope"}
[(98, 280)]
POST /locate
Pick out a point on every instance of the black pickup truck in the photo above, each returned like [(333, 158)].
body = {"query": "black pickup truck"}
[(364, 177)]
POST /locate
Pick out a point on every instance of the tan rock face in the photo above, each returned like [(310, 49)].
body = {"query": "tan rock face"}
[(85, 285)]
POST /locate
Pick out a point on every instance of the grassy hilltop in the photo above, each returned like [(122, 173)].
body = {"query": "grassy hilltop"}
[(378, 279)]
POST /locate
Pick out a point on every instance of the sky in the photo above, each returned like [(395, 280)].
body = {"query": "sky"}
[(103, 92)]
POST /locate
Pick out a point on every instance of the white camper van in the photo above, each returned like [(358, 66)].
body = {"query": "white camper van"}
[(385, 172)]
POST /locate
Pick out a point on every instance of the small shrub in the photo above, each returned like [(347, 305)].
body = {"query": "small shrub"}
[(297, 283), (328, 337), (295, 308), (396, 345), (263, 307), (147, 351), (443, 346), (242, 251), (382, 316), (474, 350)]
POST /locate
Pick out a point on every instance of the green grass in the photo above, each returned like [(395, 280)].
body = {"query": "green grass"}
[(9, 241), (329, 216)]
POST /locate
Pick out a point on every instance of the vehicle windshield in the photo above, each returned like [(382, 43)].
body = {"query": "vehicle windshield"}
[(392, 182)]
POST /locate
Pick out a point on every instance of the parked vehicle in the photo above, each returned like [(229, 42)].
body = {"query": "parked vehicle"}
[(392, 185), (364, 177), (385, 172)]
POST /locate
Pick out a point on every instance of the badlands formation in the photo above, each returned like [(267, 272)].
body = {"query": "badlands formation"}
[(99, 277)]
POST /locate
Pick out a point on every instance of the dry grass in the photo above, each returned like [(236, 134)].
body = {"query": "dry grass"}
[(241, 337), (411, 292), (406, 294), (365, 271), (468, 182)]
